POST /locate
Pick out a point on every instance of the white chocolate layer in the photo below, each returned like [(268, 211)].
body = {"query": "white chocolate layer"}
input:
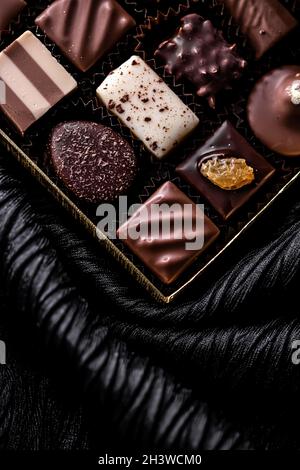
[(34, 81), (145, 103), (23, 88)]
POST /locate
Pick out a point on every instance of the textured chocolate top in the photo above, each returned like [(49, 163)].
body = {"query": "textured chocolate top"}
[(9, 9), (166, 256), (85, 29), (264, 22), (93, 161), (274, 110), (145, 103), (199, 53), (225, 143)]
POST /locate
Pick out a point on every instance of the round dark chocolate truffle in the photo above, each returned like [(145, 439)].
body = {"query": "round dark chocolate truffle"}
[(92, 160), (274, 110)]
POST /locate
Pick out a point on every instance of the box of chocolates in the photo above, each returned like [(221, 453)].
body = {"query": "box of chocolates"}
[(166, 128)]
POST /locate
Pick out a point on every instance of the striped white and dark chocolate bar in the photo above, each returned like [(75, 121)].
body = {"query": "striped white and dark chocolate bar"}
[(33, 79)]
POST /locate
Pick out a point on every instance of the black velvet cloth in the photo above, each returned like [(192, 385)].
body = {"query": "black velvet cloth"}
[(95, 363)]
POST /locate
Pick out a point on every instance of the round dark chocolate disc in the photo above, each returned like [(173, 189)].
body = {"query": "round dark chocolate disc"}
[(92, 160), (274, 110)]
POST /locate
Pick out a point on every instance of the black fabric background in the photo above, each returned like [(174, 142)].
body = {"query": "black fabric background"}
[(94, 363)]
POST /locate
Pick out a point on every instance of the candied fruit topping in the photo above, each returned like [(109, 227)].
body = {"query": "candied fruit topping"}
[(227, 173)]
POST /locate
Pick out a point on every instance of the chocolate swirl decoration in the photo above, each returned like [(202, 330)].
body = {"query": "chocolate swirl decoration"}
[(264, 22), (85, 30)]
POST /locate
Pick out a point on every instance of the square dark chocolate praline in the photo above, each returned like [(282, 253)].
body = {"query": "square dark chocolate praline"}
[(167, 256), (225, 143)]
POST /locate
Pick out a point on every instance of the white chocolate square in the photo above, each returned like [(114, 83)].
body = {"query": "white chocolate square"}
[(145, 103)]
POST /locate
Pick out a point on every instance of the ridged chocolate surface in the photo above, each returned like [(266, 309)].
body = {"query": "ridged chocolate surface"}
[(9, 9), (265, 22), (199, 53), (93, 161), (164, 255), (225, 143), (274, 110), (85, 29)]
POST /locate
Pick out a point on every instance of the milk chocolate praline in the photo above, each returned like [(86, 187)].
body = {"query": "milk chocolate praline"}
[(165, 253), (274, 110), (85, 30), (264, 22)]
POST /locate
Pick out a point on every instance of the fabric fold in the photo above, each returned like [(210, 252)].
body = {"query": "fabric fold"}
[(140, 403)]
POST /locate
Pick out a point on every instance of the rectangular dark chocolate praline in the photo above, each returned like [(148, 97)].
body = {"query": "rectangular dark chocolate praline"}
[(226, 142), (168, 258), (264, 22)]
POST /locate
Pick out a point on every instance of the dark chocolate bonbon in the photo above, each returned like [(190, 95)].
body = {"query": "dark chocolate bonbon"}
[(92, 160), (199, 53), (225, 143)]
